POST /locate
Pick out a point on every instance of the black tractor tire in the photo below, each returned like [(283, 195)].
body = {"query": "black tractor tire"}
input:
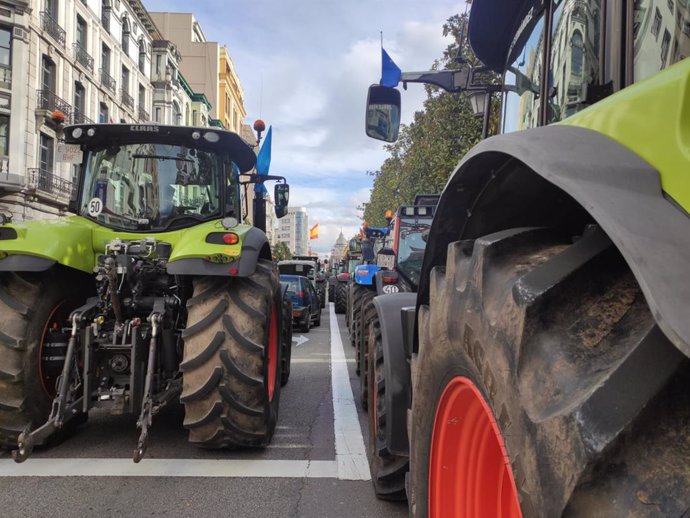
[(29, 303), (331, 291), (367, 312), (348, 305), (232, 340), (579, 385), (286, 341), (387, 469), (356, 293), (306, 325), (317, 322), (322, 295), (340, 297)]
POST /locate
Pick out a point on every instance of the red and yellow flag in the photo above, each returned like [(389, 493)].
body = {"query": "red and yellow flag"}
[(314, 232)]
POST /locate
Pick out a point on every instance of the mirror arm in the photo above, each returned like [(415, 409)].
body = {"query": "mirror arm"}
[(453, 81), (256, 178), (450, 80)]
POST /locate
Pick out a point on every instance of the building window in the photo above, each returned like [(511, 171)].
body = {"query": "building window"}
[(5, 47), (105, 59), (125, 35), (106, 7), (125, 79), (665, 43), (158, 114), (142, 97), (142, 56), (79, 103), (576, 53), (4, 135), (103, 116), (194, 119), (81, 32), (176, 113), (656, 26), (158, 64), (51, 7), (45, 157), (48, 78)]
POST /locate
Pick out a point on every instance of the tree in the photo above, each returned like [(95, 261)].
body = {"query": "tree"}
[(281, 251), (429, 148)]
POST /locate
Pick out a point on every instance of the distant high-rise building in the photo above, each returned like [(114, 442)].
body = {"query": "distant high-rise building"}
[(293, 230)]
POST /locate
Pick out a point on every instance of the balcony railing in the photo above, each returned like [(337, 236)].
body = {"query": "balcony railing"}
[(78, 117), (143, 115), (83, 57), (127, 99), (48, 183), (47, 100), (108, 81), (52, 27)]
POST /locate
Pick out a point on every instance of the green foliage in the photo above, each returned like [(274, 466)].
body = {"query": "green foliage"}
[(429, 148), (281, 251)]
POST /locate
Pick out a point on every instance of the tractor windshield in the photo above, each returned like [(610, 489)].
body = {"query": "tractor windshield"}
[(153, 187), (411, 248)]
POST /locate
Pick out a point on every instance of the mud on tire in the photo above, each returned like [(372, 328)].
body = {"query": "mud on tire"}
[(232, 361), (586, 391)]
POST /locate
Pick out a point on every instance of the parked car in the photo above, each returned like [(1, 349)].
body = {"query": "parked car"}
[(306, 307)]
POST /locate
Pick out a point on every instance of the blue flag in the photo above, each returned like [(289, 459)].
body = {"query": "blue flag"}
[(390, 72), (263, 161)]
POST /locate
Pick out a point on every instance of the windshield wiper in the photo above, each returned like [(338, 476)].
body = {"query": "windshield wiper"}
[(164, 157)]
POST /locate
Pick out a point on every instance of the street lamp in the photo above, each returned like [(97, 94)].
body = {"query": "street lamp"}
[(477, 100)]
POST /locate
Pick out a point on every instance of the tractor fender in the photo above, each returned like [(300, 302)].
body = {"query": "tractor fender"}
[(254, 247), (364, 274), (547, 177), (396, 368), (25, 263)]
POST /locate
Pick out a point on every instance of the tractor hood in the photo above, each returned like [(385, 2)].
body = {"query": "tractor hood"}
[(76, 242)]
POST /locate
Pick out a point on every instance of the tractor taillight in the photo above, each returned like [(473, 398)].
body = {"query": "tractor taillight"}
[(231, 238)]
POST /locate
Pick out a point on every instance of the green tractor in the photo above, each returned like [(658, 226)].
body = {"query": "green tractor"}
[(542, 369), (150, 293)]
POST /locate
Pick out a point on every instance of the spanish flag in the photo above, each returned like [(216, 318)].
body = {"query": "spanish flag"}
[(314, 232)]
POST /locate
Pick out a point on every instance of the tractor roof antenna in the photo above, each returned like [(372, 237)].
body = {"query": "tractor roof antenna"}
[(459, 58)]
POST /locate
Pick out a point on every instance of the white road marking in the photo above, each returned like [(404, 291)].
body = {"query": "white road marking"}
[(299, 340), (349, 443), (169, 468)]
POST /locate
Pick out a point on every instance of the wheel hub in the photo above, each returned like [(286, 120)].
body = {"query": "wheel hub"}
[(469, 469)]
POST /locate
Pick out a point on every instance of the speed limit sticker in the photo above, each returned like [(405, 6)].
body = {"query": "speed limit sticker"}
[(95, 207)]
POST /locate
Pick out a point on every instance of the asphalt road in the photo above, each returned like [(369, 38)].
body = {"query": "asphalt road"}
[(315, 466)]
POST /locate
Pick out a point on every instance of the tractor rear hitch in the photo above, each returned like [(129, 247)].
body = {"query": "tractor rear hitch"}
[(146, 416), (149, 406), (61, 411)]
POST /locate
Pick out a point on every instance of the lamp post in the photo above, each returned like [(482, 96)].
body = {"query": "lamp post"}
[(480, 100)]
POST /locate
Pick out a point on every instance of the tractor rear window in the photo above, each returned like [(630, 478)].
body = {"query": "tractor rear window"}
[(152, 186)]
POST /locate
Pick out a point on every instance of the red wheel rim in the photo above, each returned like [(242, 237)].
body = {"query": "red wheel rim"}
[(469, 469), (272, 352), (58, 315)]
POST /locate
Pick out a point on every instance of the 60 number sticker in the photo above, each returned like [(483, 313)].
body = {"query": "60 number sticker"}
[(95, 207)]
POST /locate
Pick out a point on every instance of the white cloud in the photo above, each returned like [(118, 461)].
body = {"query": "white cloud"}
[(305, 66)]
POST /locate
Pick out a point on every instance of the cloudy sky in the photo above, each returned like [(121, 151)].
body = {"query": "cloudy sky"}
[(305, 66)]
